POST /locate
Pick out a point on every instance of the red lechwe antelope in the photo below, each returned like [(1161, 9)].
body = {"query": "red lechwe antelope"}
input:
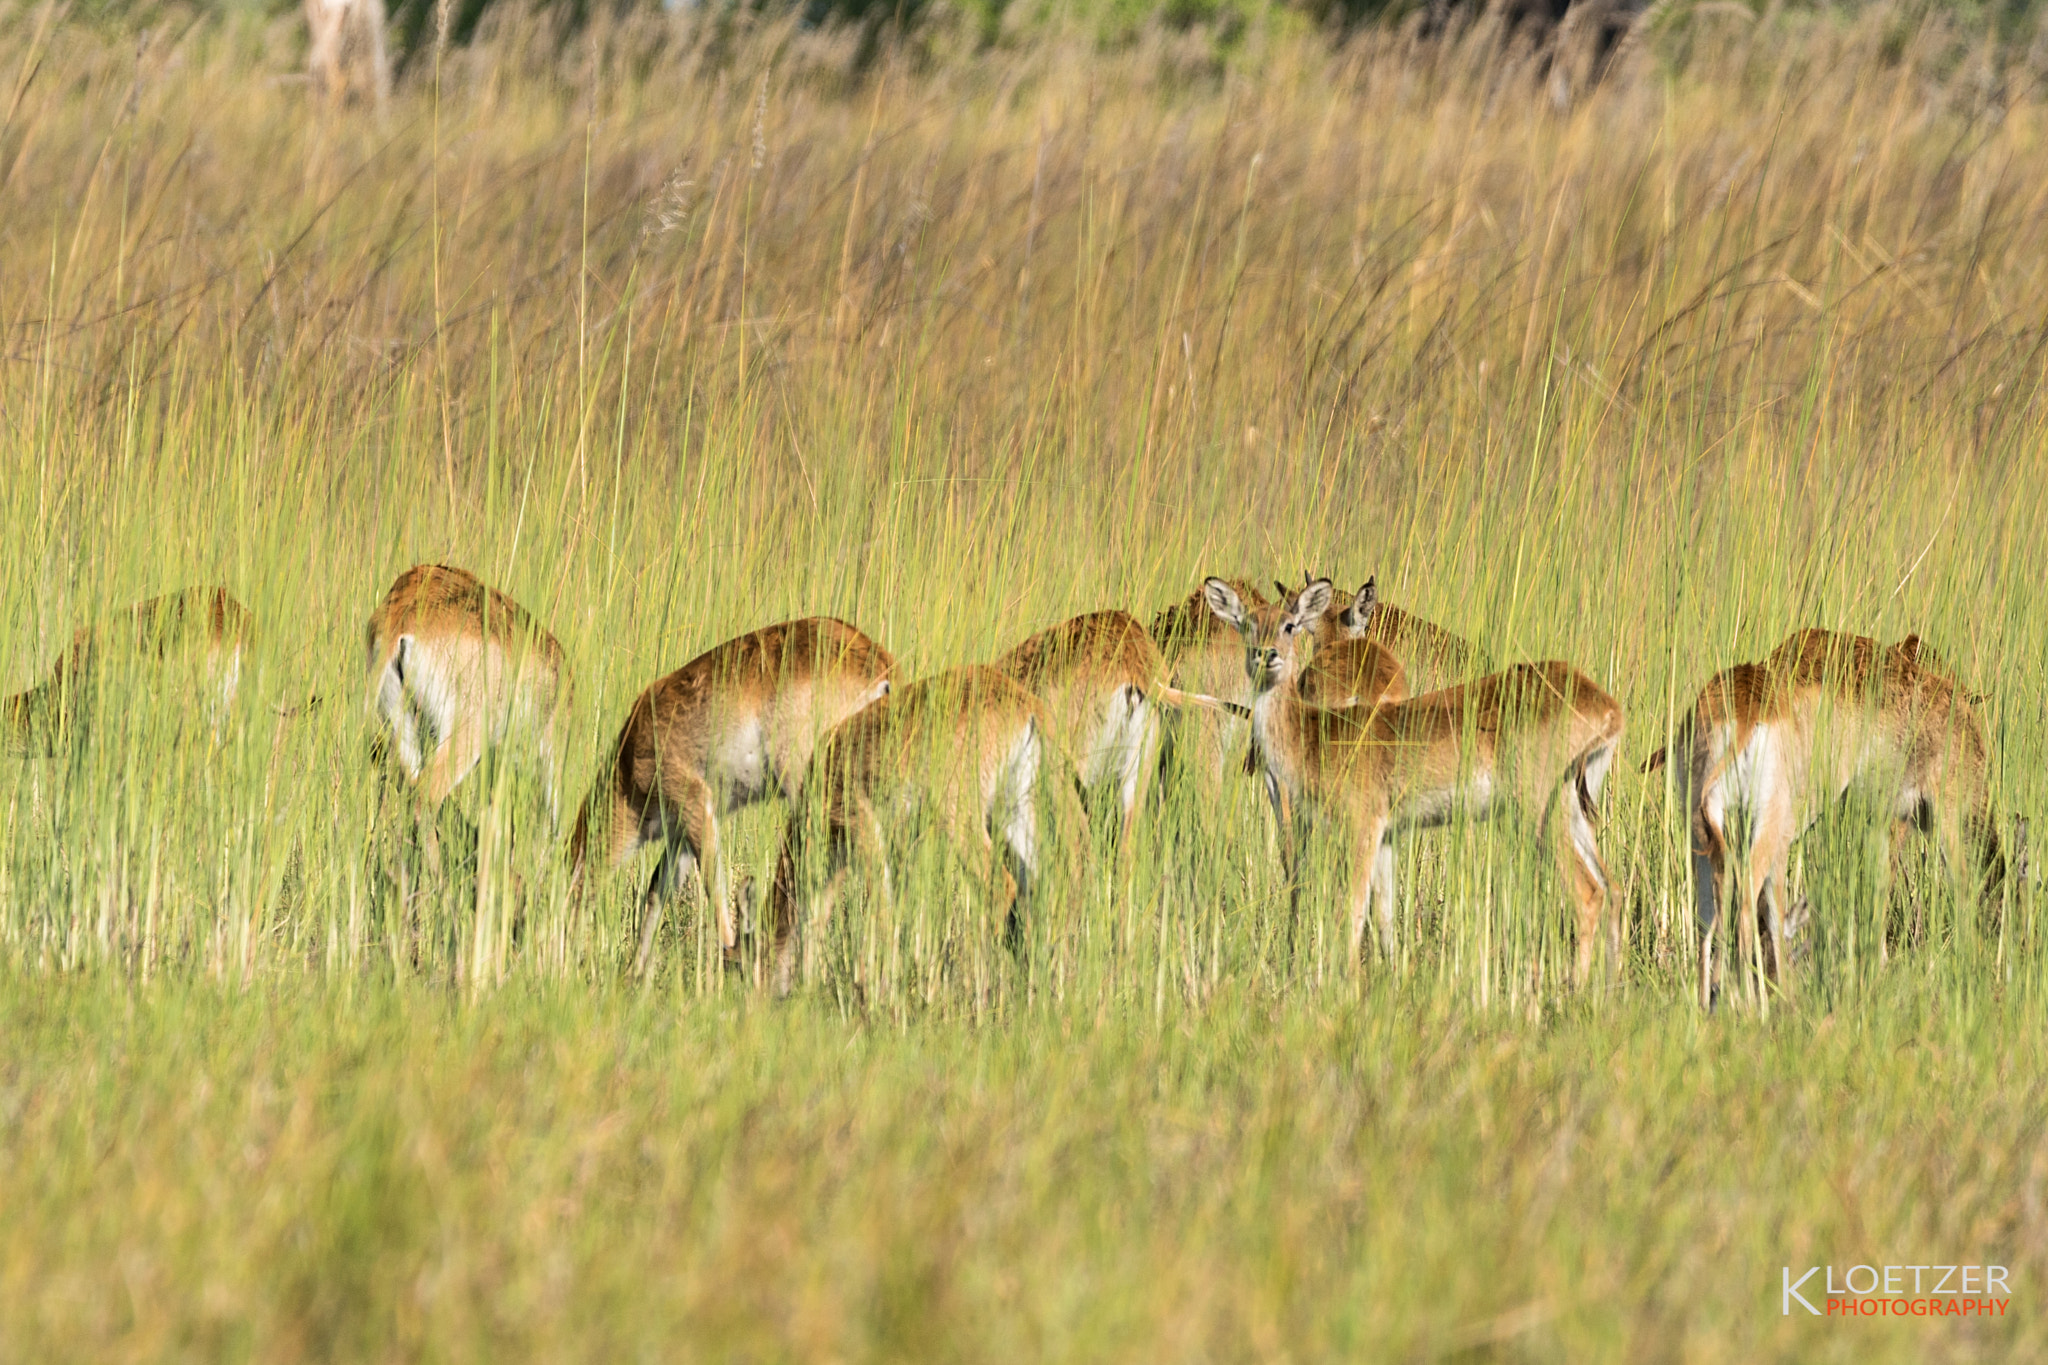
[(1767, 747), (1206, 656), (456, 670), (188, 645), (1540, 737), (967, 747), (718, 734), (1101, 678)]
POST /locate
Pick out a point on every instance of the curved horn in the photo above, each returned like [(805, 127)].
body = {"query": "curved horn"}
[(1284, 591)]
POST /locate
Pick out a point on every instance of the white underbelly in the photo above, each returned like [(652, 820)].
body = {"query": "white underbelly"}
[(739, 763)]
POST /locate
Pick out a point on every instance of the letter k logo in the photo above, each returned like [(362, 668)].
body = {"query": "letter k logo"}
[(1792, 1290)]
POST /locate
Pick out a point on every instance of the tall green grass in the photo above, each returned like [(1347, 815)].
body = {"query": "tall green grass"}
[(1744, 338)]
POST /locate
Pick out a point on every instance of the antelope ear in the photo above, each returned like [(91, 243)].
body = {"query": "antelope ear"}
[(1223, 601), (1284, 591), (1314, 601), (1358, 616)]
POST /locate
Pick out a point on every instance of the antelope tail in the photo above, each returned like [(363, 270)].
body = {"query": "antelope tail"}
[(1174, 697), (386, 656), (1655, 762)]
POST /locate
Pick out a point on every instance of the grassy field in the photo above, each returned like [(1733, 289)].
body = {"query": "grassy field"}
[(670, 342)]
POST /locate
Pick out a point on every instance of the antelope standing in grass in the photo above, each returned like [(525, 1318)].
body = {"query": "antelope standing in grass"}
[(1538, 737), (967, 748), (1767, 747), (724, 731), (456, 670), (1101, 678), (187, 644)]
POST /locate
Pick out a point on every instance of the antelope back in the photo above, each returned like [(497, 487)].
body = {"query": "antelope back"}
[(1098, 647), (1078, 667), (1862, 703), (476, 627), (771, 693), (1352, 673), (954, 738), (1847, 665), (430, 600), (1524, 727)]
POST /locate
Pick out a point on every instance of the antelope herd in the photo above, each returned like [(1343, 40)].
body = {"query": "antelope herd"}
[(1362, 721)]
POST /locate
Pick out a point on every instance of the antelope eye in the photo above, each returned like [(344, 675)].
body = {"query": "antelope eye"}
[(1288, 629)]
